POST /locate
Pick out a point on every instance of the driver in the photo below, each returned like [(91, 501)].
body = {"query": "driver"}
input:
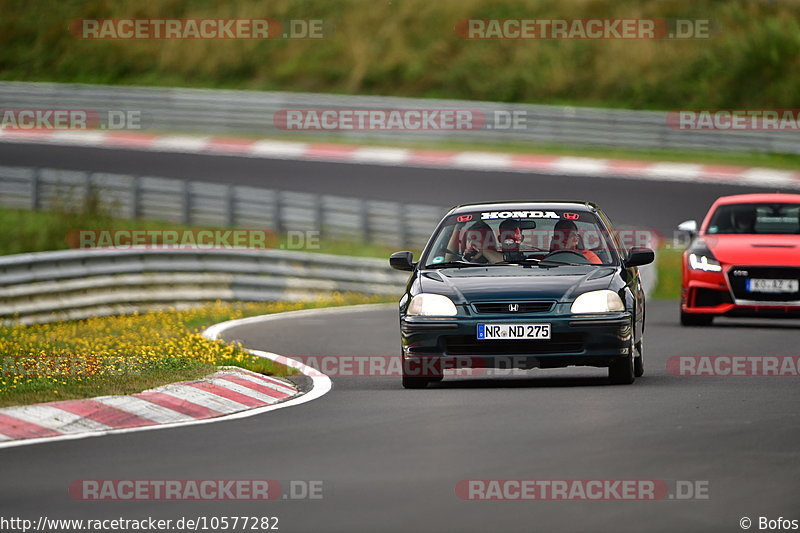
[(744, 219), (567, 238)]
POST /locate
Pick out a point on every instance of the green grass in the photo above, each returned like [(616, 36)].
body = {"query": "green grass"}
[(410, 48), (37, 231), (128, 354), (46, 390), (668, 265)]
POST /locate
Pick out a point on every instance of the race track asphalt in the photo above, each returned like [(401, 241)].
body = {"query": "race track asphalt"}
[(390, 458)]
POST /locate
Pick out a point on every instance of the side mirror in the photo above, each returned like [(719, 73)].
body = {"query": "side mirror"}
[(690, 227), (640, 256), (402, 261)]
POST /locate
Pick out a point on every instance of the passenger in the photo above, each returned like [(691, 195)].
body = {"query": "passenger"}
[(566, 237), (479, 244), (510, 238)]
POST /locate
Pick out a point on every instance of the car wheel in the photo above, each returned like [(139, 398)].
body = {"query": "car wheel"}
[(414, 382), (638, 362), (621, 372), (690, 319)]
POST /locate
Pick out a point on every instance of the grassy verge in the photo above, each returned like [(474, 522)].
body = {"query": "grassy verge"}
[(128, 354), (410, 48), (37, 231), (668, 265)]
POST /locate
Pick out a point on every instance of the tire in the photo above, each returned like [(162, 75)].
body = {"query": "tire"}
[(689, 319), (414, 382), (638, 362), (622, 372)]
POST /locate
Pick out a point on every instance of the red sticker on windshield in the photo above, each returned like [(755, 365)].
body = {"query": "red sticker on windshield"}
[(571, 216), (465, 218)]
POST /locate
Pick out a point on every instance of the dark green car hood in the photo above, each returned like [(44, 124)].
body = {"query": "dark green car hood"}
[(562, 283)]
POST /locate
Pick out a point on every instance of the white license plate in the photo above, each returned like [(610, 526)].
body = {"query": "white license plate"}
[(772, 285), (513, 331)]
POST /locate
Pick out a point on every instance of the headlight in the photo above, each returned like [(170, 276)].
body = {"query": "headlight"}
[(597, 302), (701, 258), (431, 305), (704, 262)]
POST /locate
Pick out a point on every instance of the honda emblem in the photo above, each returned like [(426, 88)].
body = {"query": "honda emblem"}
[(513, 308)]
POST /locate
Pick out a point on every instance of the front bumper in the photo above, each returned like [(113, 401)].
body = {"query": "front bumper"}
[(707, 293), (576, 340)]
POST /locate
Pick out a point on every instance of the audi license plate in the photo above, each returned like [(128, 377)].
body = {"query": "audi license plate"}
[(772, 285), (513, 331)]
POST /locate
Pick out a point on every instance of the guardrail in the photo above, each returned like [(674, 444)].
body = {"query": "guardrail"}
[(207, 204), (252, 112), (45, 287)]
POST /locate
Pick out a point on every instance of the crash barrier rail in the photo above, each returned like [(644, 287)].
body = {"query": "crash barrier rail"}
[(302, 215), (45, 287), (214, 111)]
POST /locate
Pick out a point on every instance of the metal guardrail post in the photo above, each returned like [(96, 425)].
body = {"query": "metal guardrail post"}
[(277, 212), (230, 213), (318, 218), (136, 197), (365, 220), (35, 189), (87, 191), (402, 229), (186, 216)]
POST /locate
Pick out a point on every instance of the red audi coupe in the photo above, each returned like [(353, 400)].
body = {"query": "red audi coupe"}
[(744, 261)]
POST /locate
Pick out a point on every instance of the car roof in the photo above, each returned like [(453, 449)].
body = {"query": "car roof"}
[(526, 205), (758, 198)]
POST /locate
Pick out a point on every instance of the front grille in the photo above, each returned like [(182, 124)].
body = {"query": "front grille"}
[(711, 298), (468, 345), (738, 282), (522, 307)]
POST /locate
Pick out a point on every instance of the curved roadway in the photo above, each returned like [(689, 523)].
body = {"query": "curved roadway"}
[(390, 458)]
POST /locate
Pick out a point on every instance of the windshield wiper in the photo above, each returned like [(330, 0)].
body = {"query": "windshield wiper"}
[(453, 264), (526, 261), (557, 263)]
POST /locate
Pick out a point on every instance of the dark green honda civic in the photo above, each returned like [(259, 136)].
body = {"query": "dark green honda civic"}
[(521, 285)]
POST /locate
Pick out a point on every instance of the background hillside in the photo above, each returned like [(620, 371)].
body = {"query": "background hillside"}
[(410, 48)]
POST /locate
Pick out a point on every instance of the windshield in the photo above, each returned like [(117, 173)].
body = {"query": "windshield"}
[(492, 238), (752, 219)]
